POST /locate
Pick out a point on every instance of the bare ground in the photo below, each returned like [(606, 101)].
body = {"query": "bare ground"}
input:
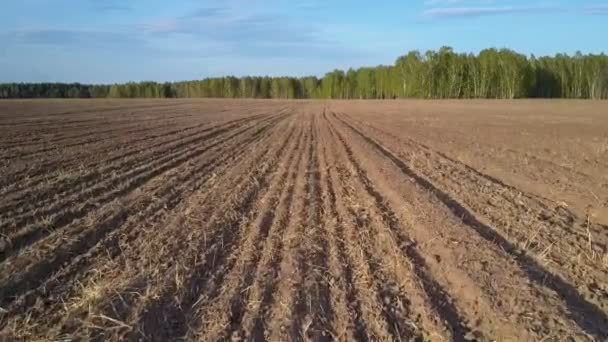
[(274, 220)]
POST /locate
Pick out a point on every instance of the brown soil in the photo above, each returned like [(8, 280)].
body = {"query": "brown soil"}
[(304, 220)]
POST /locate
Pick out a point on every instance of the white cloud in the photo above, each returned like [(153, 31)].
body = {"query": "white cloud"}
[(446, 11), (439, 12), (441, 2)]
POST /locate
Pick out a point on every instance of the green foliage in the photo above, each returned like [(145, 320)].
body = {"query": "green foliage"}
[(501, 74)]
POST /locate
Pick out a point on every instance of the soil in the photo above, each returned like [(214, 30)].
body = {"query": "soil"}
[(304, 220)]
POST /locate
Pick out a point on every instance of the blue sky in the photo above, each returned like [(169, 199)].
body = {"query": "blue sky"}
[(105, 41)]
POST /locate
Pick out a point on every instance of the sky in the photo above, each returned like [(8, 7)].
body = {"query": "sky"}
[(107, 41)]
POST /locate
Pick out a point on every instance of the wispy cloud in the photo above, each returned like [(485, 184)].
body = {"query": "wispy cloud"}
[(79, 38), (114, 8), (455, 12), (219, 31), (111, 5), (438, 9), (251, 28), (597, 10), (118, 43), (309, 5), (442, 2), (263, 33), (208, 12)]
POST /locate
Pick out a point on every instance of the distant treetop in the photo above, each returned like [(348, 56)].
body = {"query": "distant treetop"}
[(493, 73)]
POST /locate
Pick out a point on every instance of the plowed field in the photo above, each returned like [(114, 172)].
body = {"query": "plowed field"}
[(273, 220)]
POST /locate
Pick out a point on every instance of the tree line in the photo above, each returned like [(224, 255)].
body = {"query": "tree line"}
[(492, 73)]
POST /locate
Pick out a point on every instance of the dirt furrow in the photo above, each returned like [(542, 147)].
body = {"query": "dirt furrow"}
[(51, 145), (220, 312), (277, 317), (314, 313), (93, 137), (65, 182), (252, 220), (104, 188), (61, 218), (52, 140), (486, 274), (409, 308), (537, 210), (348, 321), (108, 111), (587, 315), (170, 316), (129, 147), (107, 220), (440, 300), (259, 294), (64, 131), (132, 239), (91, 176)]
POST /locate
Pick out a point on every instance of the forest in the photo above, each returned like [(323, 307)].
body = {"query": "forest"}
[(491, 74)]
